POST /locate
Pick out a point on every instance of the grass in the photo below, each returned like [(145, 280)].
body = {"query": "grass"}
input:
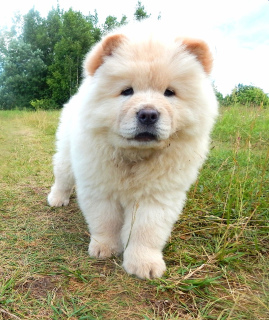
[(217, 257)]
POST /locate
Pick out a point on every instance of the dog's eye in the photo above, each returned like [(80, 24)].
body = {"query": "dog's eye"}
[(127, 92), (169, 93)]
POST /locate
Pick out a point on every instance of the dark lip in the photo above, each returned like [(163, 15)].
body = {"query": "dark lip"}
[(145, 137)]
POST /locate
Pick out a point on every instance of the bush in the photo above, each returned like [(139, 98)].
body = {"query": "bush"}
[(43, 104), (249, 96)]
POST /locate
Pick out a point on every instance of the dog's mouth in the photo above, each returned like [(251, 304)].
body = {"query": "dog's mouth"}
[(145, 137)]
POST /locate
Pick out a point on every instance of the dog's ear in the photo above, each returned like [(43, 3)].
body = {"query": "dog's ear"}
[(105, 48), (202, 52)]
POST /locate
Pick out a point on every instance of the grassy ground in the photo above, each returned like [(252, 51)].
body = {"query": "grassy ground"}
[(217, 257)]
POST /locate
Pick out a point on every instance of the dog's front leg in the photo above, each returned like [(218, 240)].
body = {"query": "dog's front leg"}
[(146, 229), (105, 220)]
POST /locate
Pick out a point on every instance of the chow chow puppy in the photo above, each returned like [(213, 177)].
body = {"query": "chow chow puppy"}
[(132, 141)]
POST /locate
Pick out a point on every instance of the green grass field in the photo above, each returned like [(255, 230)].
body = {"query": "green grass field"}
[(217, 256)]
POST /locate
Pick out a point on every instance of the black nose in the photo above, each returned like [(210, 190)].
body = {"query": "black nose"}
[(148, 116)]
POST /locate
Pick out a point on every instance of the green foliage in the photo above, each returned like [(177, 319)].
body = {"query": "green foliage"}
[(41, 58), (22, 76), (140, 13), (112, 23), (43, 104), (251, 96), (65, 71), (34, 32), (244, 95)]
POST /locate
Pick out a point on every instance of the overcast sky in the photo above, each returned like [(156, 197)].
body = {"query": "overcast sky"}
[(238, 30)]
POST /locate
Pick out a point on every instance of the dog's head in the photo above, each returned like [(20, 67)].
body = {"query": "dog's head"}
[(147, 92)]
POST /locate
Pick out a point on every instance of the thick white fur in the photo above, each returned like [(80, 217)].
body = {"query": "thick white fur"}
[(132, 192)]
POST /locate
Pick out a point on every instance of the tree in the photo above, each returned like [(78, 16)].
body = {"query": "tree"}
[(52, 25), (250, 95), (41, 58), (33, 31), (96, 30), (65, 71), (219, 96), (140, 13), (42, 34), (112, 22), (22, 75), (244, 95)]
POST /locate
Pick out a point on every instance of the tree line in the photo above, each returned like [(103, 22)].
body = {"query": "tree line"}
[(41, 58), (247, 95)]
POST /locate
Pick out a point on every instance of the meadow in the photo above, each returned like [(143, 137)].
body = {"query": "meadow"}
[(217, 256)]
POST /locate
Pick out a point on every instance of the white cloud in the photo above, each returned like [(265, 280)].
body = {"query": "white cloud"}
[(243, 50)]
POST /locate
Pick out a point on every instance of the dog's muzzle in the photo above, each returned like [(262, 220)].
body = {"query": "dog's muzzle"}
[(146, 119)]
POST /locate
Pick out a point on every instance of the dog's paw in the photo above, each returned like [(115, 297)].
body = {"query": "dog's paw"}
[(102, 250), (145, 265), (58, 198)]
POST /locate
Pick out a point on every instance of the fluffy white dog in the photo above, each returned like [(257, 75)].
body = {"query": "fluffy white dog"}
[(133, 139)]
